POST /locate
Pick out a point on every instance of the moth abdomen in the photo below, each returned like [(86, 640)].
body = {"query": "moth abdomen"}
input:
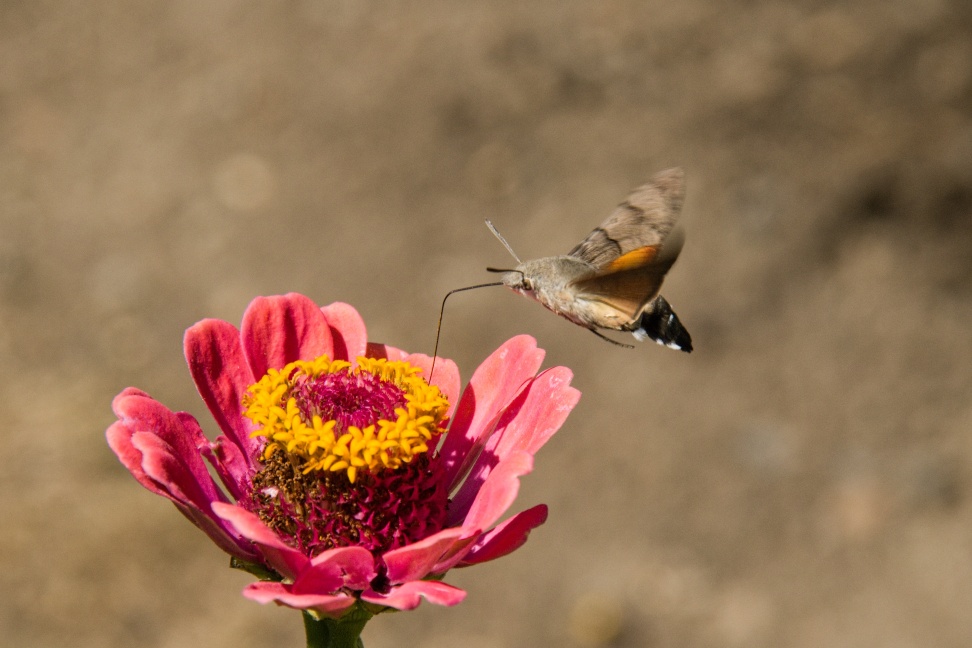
[(660, 323)]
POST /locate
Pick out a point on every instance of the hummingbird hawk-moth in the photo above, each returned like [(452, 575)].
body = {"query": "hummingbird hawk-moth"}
[(611, 279)]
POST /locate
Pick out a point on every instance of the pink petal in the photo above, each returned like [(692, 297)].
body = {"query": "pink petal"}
[(457, 553), (506, 537), (233, 468), (159, 448), (177, 480), (527, 423), (446, 376), (287, 561), (409, 595), (350, 338), (330, 605), (316, 581), (416, 560), (353, 566), (278, 330), (493, 385), (181, 437), (498, 491), (549, 400), (222, 375), (119, 437)]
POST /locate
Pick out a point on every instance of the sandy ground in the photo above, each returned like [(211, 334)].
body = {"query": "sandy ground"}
[(801, 480)]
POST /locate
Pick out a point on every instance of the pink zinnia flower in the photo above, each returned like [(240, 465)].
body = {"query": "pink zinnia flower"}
[(344, 477)]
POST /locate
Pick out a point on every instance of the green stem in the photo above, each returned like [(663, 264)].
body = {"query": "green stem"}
[(336, 633)]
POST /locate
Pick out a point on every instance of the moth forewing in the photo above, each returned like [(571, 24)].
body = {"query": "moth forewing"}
[(644, 219), (661, 197), (671, 247)]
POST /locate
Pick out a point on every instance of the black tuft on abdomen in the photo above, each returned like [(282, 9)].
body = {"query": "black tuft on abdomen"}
[(660, 323)]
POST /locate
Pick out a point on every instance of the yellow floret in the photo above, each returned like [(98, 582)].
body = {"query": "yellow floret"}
[(387, 444)]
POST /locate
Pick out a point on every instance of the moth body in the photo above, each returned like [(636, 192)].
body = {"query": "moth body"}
[(548, 280)]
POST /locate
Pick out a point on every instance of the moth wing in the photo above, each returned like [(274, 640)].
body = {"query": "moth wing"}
[(625, 292), (644, 219), (628, 283)]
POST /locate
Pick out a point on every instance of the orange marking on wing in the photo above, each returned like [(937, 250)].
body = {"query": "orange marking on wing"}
[(633, 260)]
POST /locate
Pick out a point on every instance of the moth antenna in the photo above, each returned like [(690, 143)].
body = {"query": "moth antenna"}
[(438, 328), (502, 240)]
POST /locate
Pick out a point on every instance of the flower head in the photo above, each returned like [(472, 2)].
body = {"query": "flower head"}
[(346, 474)]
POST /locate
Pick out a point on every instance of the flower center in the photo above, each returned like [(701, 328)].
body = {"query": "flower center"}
[(338, 417), (347, 460), (350, 399)]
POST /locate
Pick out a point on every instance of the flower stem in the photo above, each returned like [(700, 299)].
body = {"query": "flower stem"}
[(336, 633)]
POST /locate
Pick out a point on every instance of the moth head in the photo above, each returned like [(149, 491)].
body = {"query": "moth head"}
[(515, 279)]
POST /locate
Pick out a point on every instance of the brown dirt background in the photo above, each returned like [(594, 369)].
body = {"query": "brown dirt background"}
[(801, 480)]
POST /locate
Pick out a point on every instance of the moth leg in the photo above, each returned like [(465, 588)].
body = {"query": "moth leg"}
[(606, 338)]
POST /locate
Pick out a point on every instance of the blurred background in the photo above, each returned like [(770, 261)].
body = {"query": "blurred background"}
[(801, 480)]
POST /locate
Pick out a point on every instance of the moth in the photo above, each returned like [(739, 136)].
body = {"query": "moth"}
[(611, 279)]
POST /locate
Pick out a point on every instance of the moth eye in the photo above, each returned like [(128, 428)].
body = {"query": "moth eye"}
[(527, 284)]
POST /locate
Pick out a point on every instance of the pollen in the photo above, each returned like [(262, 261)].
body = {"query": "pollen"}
[(335, 416)]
